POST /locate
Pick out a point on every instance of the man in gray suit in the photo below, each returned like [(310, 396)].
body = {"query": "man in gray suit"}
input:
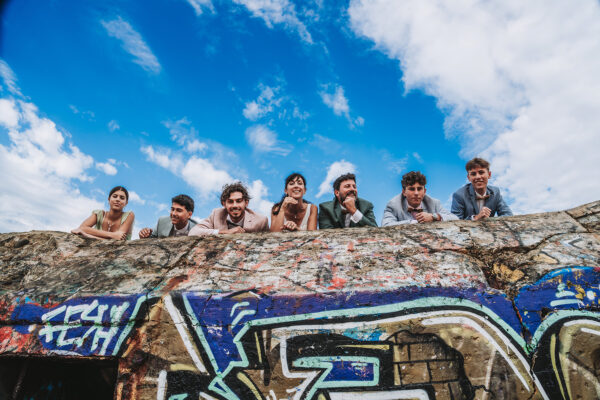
[(477, 200), (178, 223), (413, 205)]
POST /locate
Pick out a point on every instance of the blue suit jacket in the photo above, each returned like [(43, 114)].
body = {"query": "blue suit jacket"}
[(464, 204)]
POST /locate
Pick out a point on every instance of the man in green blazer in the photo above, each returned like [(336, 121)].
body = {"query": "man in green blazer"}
[(346, 210)]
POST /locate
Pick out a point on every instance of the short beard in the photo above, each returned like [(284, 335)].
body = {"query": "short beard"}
[(342, 199)]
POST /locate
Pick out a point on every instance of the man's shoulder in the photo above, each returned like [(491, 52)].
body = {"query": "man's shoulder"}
[(463, 190), (327, 204), (364, 203), (164, 219), (256, 214), (397, 199)]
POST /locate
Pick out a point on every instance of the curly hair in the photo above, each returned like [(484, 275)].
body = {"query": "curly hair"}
[(230, 188), (412, 177)]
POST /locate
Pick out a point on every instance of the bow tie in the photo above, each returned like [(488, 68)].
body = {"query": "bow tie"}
[(417, 210), (487, 196)]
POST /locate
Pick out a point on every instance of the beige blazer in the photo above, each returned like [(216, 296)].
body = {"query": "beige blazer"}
[(253, 222)]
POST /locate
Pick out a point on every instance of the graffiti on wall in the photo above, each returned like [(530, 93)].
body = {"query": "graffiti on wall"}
[(78, 327), (419, 343), (410, 343)]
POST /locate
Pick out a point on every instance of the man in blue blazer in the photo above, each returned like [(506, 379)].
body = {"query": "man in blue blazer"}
[(178, 223), (477, 200), (413, 206)]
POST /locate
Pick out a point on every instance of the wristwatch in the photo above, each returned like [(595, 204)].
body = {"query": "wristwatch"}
[(435, 216)]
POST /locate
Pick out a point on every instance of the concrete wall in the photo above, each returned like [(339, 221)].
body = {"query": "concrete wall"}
[(502, 309)]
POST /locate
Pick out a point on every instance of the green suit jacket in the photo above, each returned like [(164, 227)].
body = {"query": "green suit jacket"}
[(330, 214)]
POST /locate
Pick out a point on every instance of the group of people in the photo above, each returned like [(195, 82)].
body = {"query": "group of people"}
[(474, 201)]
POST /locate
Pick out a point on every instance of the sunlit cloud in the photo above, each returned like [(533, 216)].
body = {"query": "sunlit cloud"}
[(518, 82)]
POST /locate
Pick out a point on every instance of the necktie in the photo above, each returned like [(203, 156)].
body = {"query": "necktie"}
[(414, 211)]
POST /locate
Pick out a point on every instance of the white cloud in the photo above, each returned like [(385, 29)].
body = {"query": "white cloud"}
[(277, 12), (39, 170), (197, 172), (335, 170), (200, 5), (181, 130), (108, 167), (9, 116), (113, 126), (133, 43), (264, 140), (258, 192), (195, 146), (338, 102), (8, 77), (85, 114), (518, 81), (133, 196), (263, 105)]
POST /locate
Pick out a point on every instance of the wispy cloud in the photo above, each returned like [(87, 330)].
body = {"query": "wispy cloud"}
[(264, 140), (86, 114), (518, 82), (263, 104), (8, 77), (337, 101), (200, 6), (113, 126), (133, 43), (335, 170), (278, 12), (259, 193)]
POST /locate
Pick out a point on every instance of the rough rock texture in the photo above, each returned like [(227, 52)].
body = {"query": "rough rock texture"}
[(505, 308)]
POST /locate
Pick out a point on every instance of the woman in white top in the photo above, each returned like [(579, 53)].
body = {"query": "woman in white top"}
[(293, 213)]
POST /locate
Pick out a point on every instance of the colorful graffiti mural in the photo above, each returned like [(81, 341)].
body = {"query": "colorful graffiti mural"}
[(414, 343)]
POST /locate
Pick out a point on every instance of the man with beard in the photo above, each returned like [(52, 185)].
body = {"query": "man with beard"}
[(477, 200), (413, 205), (346, 210), (178, 223), (234, 216)]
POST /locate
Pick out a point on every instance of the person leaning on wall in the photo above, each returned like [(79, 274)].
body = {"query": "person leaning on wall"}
[(477, 200), (112, 224), (293, 213), (234, 216), (346, 210), (413, 205), (178, 223)]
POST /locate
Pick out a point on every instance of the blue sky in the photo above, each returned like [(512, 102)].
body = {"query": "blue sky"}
[(175, 96)]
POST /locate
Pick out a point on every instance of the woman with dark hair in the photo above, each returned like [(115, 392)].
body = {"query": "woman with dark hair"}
[(293, 213), (112, 224)]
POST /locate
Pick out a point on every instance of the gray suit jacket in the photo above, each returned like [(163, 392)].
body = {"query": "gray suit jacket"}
[(464, 204), (253, 222), (396, 213), (164, 226)]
